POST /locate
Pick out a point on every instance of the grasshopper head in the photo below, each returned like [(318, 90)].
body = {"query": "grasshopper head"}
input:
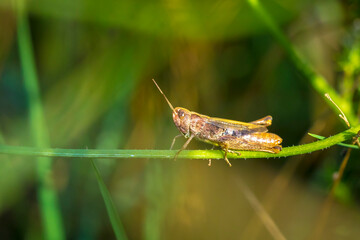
[(182, 117)]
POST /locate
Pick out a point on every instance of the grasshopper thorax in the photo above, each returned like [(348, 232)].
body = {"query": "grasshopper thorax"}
[(182, 118)]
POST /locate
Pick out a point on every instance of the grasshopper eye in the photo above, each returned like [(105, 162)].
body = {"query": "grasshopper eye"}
[(181, 114)]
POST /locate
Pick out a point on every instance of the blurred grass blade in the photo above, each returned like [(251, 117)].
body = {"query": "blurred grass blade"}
[(340, 144), (155, 194), (49, 207), (259, 209), (317, 81), (110, 208)]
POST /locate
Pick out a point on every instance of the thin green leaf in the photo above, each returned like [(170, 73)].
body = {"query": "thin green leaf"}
[(340, 144), (110, 208)]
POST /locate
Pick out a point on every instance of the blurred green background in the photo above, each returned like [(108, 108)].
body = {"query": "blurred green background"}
[(95, 61)]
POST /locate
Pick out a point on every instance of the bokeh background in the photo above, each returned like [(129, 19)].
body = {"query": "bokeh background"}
[(94, 63)]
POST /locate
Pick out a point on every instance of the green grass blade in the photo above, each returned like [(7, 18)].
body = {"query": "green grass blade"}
[(110, 208), (49, 207), (340, 144)]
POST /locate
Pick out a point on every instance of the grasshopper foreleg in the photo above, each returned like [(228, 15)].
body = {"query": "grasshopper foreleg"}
[(173, 142), (184, 146)]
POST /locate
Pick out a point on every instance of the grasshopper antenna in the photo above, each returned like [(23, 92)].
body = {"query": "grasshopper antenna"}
[(164, 95)]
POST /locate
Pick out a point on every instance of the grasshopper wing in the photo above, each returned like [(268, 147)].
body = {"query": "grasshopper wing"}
[(241, 128)]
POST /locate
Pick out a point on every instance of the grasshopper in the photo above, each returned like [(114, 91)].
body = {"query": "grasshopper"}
[(229, 135)]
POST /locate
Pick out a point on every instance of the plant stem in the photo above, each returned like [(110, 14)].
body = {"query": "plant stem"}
[(190, 154)]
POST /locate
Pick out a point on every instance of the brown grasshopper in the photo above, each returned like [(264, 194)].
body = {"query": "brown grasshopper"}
[(229, 135)]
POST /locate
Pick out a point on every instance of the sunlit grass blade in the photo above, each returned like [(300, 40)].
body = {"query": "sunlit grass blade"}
[(49, 207), (340, 144), (110, 208)]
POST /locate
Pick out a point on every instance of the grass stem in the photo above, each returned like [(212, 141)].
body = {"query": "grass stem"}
[(169, 154)]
